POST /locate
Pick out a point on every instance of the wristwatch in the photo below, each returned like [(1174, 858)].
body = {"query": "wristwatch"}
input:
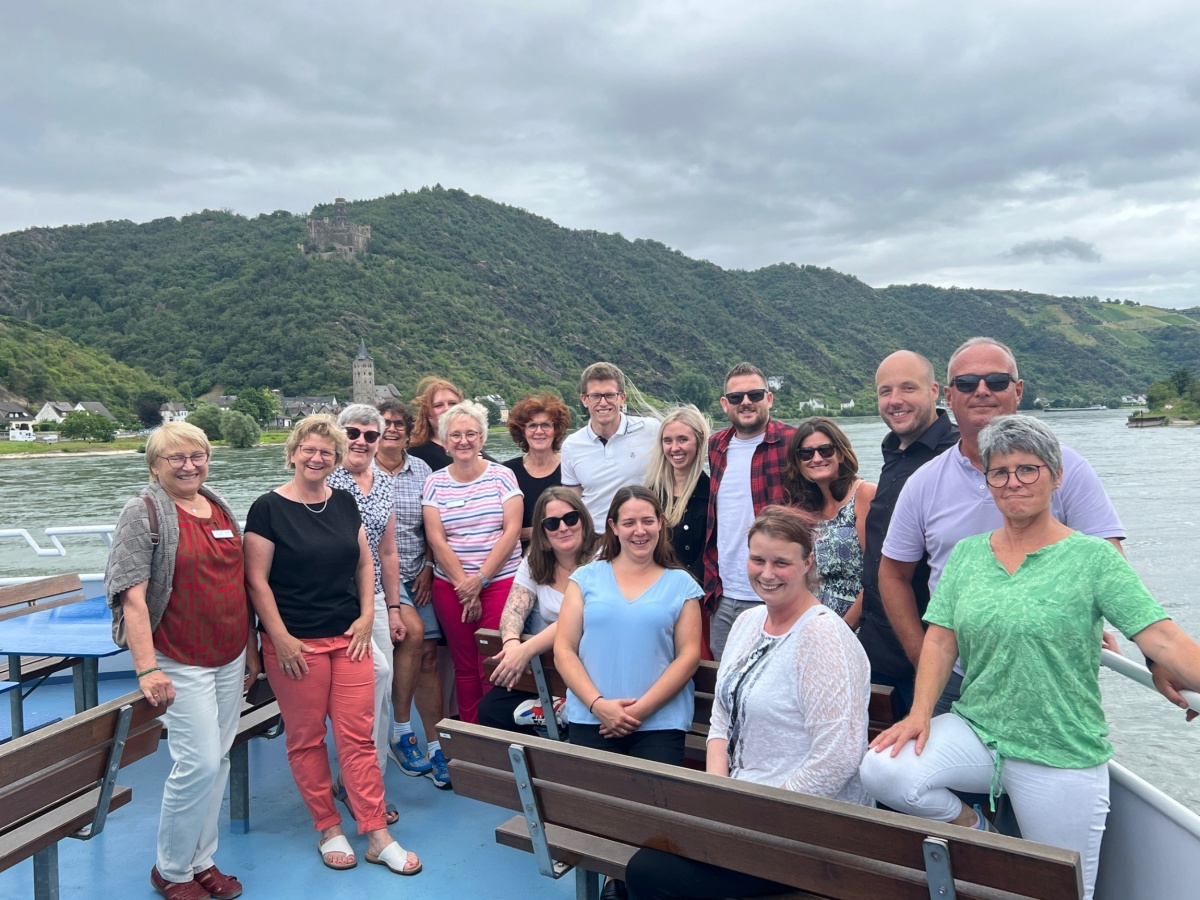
[(483, 579)]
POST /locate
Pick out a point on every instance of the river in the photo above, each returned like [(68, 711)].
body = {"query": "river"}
[(1148, 473)]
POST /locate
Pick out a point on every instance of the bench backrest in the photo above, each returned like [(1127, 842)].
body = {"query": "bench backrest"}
[(832, 849), (704, 682), (41, 593), (53, 764)]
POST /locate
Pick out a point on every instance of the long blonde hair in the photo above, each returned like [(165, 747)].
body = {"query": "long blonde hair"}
[(660, 476)]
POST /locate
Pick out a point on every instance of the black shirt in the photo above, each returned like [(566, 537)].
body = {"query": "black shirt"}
[(883, 648), (531, 487), (688, 536)]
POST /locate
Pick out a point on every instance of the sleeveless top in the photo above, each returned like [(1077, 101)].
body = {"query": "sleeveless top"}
[(839, 559)]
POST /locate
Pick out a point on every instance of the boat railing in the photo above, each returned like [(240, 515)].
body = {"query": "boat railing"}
[(54, 533), (1134, 671)]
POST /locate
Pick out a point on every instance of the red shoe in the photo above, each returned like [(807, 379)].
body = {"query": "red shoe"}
[(177, 890), (219, 885)]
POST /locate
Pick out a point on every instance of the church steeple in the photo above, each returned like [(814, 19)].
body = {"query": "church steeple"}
[(362, 349), (363, 373)]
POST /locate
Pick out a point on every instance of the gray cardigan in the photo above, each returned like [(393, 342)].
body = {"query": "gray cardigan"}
[(134, 559)]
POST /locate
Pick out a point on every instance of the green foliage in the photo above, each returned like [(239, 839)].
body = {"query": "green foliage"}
[(1177, 395), (260, 404), (693, 388), (82, 425), (148, 407), (493, 411), (207, 417), (239, 429)]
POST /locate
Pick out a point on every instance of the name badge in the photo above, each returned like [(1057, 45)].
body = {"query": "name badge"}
[(223, 533), (455, 504)]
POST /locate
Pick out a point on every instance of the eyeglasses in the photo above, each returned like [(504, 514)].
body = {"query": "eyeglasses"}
[(995, 381), (397, 424), (610, 397), (755, 396), (998, 478), (455, 436), (826, 451), (571, 519), (355, 433), (310, 452), (540, 426), (176, 460)]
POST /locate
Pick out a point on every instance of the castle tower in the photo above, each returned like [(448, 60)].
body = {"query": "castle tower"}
[(363, 373)]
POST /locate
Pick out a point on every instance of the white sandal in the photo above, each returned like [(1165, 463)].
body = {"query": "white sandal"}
[(395, 858), (337, 844)]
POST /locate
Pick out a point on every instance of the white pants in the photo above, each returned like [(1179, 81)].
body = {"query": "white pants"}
[(201, 725), (1062, 807), (381, 655)]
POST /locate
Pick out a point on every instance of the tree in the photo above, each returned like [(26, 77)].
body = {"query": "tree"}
[(258, 403), (82, 425), (207, 417), (148, 408), (695, 389), (239, 429)]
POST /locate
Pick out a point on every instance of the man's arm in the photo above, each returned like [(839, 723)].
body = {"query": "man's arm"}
[(900, 604)]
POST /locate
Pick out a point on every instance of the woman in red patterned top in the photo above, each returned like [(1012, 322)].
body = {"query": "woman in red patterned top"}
[(187, 621)]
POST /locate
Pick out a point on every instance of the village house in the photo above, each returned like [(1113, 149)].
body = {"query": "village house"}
[(13, 412), (173, 412), (56, 410)]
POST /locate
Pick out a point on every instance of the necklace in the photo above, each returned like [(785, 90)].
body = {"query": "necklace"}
[(317, 511)]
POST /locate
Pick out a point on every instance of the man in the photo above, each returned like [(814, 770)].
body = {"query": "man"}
[(613, 449), (907, 393), (948, 500), (746, 463)]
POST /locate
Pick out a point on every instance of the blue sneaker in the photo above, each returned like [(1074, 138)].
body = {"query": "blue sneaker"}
[(440, 774), (408, 756)]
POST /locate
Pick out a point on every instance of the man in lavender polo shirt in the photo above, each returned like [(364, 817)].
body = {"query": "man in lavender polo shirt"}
[(947, 499)]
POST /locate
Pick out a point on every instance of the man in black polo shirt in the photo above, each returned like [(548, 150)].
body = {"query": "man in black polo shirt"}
[(908, 394)]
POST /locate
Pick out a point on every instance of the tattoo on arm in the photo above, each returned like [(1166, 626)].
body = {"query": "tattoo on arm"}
[(516, 610)]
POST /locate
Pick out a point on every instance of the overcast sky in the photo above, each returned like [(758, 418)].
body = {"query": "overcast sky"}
[(1036, 145)]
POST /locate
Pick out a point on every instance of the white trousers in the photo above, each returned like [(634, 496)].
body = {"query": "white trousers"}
[(201, 725), (1062, 807), (381, 655)]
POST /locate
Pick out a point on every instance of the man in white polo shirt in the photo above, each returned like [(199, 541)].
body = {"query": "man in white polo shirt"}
[(613, 449)]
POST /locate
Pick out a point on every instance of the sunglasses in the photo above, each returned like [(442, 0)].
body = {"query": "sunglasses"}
[(551, 523), (995, 381), (736, 397), (826, 451), (355, 433)]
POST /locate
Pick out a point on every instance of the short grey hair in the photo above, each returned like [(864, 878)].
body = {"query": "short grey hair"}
[(1017, 434), (468, 409), (982, 342), (361, 414)]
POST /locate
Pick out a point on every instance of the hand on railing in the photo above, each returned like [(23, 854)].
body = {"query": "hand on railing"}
[(1159, 681)]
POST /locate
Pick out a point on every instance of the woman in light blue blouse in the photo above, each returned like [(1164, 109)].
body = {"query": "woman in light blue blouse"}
[(628, 638)]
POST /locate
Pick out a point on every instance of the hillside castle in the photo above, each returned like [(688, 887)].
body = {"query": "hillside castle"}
[(337, 234)]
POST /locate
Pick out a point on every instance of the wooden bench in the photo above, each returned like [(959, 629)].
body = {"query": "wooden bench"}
[(592, 810), (544, 680), (259, 718), (60, 781), (30, 596)]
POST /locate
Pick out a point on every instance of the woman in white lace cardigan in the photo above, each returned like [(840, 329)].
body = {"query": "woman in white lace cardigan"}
[(790, 708)]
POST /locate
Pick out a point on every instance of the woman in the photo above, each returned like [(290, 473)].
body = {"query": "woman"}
[(310, 577), (356, 475), (628, 638), (676, 475), (790, 708), (564, 540), (537, 425), (1023, 607), (821, 477), (434, 397), (472, 511), (187, 626), (415, 658)]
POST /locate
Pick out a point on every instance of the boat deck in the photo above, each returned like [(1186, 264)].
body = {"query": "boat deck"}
[(454, 836)]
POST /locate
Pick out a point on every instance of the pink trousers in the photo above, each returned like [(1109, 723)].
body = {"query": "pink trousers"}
[(470, 682)]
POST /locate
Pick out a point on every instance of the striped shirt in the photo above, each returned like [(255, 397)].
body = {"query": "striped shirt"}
[(407, 485), (473, 516)]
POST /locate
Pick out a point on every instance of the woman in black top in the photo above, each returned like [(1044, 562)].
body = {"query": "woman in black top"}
[(537, 425), (311, 580), (676, 475)]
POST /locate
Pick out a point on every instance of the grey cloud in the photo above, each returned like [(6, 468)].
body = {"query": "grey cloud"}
[(1067, 248)]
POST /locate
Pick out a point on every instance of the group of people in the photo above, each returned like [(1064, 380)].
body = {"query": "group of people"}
[(613, 546)]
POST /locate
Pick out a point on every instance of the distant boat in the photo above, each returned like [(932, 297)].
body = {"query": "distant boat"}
[(1138, 420)]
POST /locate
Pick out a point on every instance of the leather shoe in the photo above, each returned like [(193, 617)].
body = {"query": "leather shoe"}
[(177, 890), (614, 889), (219, 885)]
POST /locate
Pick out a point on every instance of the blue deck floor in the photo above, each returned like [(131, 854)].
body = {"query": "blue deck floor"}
[(278, 858)]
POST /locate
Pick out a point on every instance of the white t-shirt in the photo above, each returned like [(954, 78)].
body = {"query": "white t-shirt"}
[(603, 468), (549, 600), (735, 515)]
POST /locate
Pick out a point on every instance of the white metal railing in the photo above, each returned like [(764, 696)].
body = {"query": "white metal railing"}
[(1122, 665), (54, 533)]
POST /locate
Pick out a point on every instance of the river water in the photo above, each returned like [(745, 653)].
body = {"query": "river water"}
[(1148, 473)]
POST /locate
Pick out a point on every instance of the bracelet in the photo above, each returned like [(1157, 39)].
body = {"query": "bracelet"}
[(397, 606), (599, 697), (428, 564), (148, 671), (506, 640)]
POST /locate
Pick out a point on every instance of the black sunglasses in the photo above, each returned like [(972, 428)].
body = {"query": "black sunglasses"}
[(571, 519), (995, 381), (826, 451), (355, 433), (736, 397)]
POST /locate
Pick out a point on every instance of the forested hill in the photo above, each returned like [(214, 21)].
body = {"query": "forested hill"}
[(499, 299)]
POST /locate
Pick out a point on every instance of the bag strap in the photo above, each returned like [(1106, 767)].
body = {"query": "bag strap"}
[(153, 514)]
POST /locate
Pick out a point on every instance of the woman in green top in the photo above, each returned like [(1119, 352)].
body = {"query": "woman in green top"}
[(1023, 606)]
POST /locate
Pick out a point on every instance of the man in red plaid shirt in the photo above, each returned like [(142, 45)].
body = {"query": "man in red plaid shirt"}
[(746, 464)]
